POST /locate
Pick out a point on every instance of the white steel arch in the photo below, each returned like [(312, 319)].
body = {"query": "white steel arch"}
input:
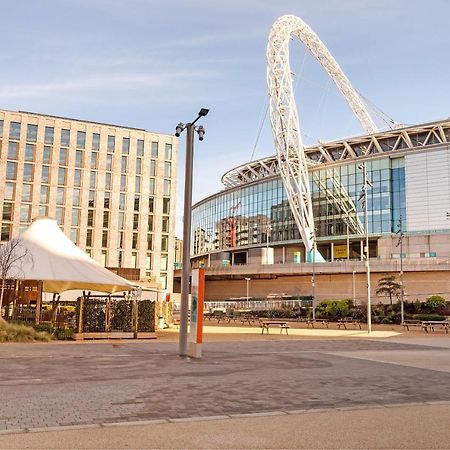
[(284, 117)]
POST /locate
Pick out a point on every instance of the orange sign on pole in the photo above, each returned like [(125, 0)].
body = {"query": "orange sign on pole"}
[(196, 323)]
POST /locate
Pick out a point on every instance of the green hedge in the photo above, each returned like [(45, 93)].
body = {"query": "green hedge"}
[(146, 316), (121, 315), (426, 317)]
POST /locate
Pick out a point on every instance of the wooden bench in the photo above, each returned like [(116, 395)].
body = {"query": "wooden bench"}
[(345, 320), (430, 324), (411, 323), (248, 319), (265, 325), (311, 322)]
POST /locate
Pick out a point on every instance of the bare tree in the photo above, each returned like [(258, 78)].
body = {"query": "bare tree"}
[(13, 255)]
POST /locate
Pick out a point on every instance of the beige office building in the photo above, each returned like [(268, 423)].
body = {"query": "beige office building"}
[(111, 188)]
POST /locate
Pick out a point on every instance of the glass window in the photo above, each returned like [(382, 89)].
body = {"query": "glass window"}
[(165, 225), (166, 205), (167, 185), (164, 243), (43, 210), (75, 217), (90, 218), (126, 146), (62, 173), (65, 137), (9, 191), (152, 168), (81, 139), (14, 130), (123, 182), (77, 178), (164, 261), (74, 235), (89, 238), (109, 162), (134, 259), (105, 219), (1, 128), (107, 199), (152, 186), (121, 221), (150, 223), (94, 160), (79, 158), (91, 202), (120, 239), (134, 241), (122, 201), (76, 199), (108, 178), (12, 150), (60, 196), (32, 133), (105, 238), (154, 152), (163, 280), (45, 177), (149, 241), (137, 201), (28, 170), (6, 231), (139, 166), (29, 152), (7, 211), (168, 151), (151, 204), (47, 155), (148, 262), (25, 213), (124, 164), (60, 215), (92, 180), (95, 141), (140, 147), (49, 135), (111, 144), (137, 184), (26, 192), (167, 169), (136, 222), (63, 156)]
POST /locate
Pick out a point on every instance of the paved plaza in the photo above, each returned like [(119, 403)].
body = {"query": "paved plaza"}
[(97, 384)]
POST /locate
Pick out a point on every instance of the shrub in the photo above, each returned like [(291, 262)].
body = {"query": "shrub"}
[(146, 316), (435, 302), (428, 317), (21, 333), (333, 309)]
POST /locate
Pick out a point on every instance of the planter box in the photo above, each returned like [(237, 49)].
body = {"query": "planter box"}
[(104, 335), (145, 335)]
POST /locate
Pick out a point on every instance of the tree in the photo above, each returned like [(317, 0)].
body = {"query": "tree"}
[(436, 302), (13, 254), (388, 286)]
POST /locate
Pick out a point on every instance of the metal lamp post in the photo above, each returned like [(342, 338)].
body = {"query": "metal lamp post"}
[(364, 198), (248, 282), (401, 235), (184, 303), (313, 278)]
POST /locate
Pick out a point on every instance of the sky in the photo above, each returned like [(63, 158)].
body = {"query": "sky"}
[(153, 63)]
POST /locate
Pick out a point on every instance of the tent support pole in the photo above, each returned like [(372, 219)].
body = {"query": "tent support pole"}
[(37, 316), (80, 315)]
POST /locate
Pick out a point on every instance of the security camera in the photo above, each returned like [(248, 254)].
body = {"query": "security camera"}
[(179, 128), (201, 133), (203, 112)]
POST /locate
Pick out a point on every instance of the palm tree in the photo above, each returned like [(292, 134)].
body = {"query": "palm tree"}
[(388, 286)]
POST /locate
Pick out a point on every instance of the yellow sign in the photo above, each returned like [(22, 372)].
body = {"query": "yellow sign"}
[(339, 251)]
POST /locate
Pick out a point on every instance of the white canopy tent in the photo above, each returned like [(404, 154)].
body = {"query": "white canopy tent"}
[(61, 265)]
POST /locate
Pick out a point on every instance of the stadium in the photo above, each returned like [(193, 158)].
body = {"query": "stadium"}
[(307, 221)]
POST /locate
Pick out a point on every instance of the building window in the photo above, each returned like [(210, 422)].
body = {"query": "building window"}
[(167, 187), (137, 201), (123, 183), (134, 259), (165, 225), (94, 160), (9, 191), (105, 238), (120, 239), (92, 180), (120, 259), (11, 170), (43, 198), (111, 144), (1, 128), (108, 178), (149, 241), (139, 166), (90, 218), (62, 173), (95, 141), (151, 186), (151, 204), (154, 153), (137, 184), (47, 155), (77, 178), (76, 199), (60, 215), (89, 237), (29, 152), (6, 232), (148, 262), (126, 146), (105, 219), (49, 135), (26, 192), (168, 151), (121, 222), (91, 202), (109, 162), (12, 150), (140, 147), (32, 133), (81, 139), (166, 205), (152, 168), (14, 130), (74, 235), (164, 243), (43, 210), (75, 217), (7, 211), (164, 261), (150, 223), (124, 164), (45, 174), (106, 201), (136, 222), (60, 196), (65, 137), (167, 169), (63, 156), (163, 280), (122, 202), (134, 241), (28, 171), (79, 158), (104, 258)]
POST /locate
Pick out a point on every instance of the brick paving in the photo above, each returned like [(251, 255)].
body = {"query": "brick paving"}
[(63, 384)]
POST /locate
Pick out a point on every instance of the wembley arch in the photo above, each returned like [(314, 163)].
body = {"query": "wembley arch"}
[(292, 161)]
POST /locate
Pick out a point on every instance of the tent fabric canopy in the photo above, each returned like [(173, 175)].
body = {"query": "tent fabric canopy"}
[(61, 265)]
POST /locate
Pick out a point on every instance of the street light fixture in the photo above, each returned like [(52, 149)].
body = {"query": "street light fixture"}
[(184, 303), (364, 201), (248, 282), (313, 278), (401, 235)]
